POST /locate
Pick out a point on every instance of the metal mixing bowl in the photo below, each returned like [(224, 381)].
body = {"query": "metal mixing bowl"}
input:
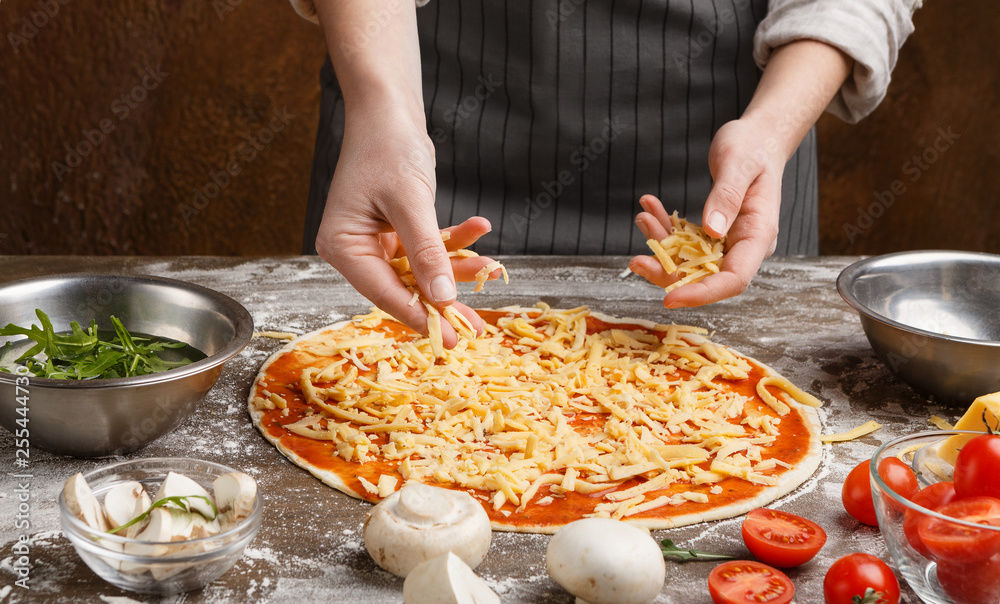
[(114, 416), (933, 318)]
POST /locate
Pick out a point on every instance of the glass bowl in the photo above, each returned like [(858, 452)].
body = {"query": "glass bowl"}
[(183, 565), (936, 579)]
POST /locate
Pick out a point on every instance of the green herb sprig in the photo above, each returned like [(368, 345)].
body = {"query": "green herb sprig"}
[(686, 555), (83, 355), (178, 500)]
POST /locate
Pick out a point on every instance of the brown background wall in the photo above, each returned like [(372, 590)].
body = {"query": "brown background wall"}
[(223, 68)]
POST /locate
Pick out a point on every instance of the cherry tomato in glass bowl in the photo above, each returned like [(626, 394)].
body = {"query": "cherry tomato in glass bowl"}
[(977, 466), (746, 582), (854, 575), (959, 543), (931, 497), (971, 583), (781, 539)]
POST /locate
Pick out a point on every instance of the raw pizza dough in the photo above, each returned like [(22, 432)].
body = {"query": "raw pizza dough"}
[(545, 513)]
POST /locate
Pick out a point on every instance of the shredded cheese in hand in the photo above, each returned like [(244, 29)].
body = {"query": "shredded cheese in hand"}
[(689, 252), (402, 267)]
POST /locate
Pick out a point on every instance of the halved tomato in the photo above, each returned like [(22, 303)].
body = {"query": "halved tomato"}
[(782, 539), (746, 582), (963, 544), (931, 497)]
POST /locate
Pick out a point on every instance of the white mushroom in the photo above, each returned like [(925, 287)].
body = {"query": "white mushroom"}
[(235, 494), (81, 502), (446, 579), (123, 503), (150, 541), (419, 522), (178, 485), (603, 561), (186, 525)]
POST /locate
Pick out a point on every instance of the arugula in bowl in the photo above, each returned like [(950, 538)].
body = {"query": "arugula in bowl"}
[(83, 355)]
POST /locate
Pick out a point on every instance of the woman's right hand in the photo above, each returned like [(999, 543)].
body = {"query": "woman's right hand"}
[(382, 198)]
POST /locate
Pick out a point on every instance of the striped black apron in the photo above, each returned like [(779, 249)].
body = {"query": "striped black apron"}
[(551, 118)]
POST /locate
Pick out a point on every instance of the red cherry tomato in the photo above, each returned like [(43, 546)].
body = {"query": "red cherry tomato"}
[(976, 467), (857, 491), (782, 539), (931, 497), (745, 582), (961, 544), (857, 494), (971, 583), (854, 574)]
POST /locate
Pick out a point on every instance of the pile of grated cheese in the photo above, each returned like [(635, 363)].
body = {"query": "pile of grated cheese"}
[(689, 252), (537, 407)]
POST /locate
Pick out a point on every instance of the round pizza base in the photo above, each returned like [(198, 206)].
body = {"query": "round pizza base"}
[(788, 481)]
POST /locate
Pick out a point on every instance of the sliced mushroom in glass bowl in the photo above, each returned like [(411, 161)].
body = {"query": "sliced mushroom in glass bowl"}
[(200, 517)]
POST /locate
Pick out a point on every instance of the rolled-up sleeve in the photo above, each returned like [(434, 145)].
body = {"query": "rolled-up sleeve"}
[(869, 31), (307, 10)]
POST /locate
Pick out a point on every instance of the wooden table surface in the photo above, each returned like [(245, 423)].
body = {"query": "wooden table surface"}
[(310, 547)]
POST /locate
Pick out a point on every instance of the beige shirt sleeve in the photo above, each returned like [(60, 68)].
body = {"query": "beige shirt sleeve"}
[(306, 10), (869, 31)]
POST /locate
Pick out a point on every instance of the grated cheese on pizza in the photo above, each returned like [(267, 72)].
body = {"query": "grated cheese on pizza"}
[(689, 252), (538, 407)]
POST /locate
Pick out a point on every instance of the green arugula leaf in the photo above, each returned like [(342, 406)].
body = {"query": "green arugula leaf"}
[(685, 555), (82, 355)]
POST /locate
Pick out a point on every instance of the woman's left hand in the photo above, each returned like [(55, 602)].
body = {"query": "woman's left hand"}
[(743, 205)]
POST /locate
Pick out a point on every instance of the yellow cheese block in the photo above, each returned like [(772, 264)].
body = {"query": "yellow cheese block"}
[(987, 405)]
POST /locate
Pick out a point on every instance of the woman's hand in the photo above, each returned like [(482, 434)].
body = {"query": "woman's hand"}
[(381, 199), (742, 204), (747, 158), (381, 206)]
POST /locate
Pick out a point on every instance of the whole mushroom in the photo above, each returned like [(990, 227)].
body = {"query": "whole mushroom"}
[(603, 561), (420, 522)]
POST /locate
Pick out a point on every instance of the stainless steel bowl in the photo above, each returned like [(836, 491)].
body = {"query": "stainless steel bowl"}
[(115, 416), (933, 318)]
